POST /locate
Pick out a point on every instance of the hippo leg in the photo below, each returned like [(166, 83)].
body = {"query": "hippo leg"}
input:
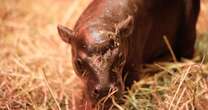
[(130, 75), (184, 46)]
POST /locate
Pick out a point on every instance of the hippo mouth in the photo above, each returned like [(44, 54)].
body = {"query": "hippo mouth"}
[(106, 98)]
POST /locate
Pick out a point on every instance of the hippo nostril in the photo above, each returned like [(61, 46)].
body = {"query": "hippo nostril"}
[(97, 89), (100, 91)]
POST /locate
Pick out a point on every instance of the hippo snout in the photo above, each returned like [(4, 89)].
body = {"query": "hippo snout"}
[(100, 93)]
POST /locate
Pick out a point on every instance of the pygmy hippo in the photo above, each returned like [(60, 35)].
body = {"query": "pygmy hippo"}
[(113, 38)]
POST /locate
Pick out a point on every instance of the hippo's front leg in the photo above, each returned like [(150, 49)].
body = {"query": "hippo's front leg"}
[(184, 45), (132, 74)]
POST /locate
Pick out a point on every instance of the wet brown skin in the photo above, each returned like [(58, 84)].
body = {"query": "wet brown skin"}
[(113, 38)]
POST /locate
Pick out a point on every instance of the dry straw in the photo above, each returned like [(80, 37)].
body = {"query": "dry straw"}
[(30, 49)]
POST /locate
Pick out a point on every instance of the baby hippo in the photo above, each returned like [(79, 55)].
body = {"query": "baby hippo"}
[(113, 38)]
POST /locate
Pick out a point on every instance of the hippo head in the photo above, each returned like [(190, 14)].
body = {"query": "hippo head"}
[(98, 59)]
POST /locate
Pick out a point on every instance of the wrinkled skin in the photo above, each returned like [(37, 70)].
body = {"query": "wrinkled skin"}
[(113, 38)]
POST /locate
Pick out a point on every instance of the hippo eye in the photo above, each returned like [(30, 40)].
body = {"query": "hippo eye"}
[(111, 44), (79, 62), (79, 65)]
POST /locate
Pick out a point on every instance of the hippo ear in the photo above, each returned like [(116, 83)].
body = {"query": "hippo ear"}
[(125, 27), (66, 34)]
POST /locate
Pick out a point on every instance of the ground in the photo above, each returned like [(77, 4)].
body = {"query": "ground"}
[(36, 71)]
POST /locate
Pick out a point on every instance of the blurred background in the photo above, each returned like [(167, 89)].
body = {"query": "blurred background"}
[(35, 67), (203, 18)]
